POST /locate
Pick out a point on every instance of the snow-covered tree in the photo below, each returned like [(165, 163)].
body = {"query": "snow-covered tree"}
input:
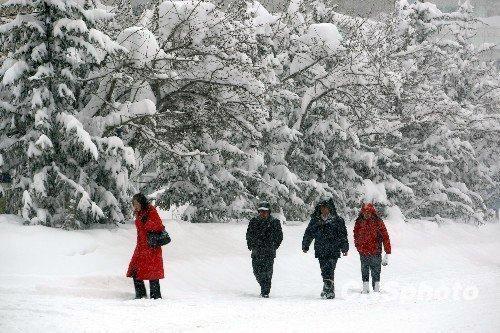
[(372, 108), (434, 156), (62, 175), (228, 105), (305, 145), (192, 64)]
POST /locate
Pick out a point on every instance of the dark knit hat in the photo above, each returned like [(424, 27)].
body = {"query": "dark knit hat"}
[(264, 205)]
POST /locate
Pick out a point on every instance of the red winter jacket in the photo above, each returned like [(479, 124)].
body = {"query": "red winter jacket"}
[(146, 262), (370, 234)]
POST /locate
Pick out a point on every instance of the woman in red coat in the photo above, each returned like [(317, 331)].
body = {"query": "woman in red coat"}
[(146, 262), (370, 234)]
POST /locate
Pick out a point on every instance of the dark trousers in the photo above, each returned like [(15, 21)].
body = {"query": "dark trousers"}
[(154, 289), (373, 265), (263, 270), (327, 266)]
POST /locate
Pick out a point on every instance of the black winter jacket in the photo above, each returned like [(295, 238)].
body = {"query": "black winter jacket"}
[(330, 236), (264, 236)]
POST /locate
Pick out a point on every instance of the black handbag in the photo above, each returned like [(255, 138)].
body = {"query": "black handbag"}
[(157, 239)]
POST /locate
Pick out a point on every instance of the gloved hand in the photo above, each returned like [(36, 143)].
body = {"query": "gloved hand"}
[(385, 260)]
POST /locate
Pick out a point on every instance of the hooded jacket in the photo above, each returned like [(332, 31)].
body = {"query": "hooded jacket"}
[(370, 234), (330, 236)]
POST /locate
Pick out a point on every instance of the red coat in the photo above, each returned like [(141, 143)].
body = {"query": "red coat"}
[(369, 235), (146, 262)]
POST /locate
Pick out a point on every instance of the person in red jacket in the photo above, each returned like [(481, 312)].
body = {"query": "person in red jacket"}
[(146, 262), (370, 234)]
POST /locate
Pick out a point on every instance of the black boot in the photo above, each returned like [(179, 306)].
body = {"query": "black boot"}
[(140, 289), (262, 289), (325, 289), (154, 289), (328, 289), (265, 288)]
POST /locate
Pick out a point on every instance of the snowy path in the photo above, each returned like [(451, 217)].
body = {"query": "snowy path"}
[(440, 279)]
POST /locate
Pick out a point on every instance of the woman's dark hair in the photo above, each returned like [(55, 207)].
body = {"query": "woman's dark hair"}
[(141, 199)]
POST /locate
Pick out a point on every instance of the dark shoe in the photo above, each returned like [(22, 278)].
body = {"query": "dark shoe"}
[(328, 289), (264, 292), (325, 290), (265, 287), (330, 295), (154, 289), (140, 289)]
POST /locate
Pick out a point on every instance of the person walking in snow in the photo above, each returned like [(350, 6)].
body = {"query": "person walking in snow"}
[(329, 233), (146, 262), (370, 234), (264, 237)]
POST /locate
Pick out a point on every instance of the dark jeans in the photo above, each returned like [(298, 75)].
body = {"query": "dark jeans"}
[(154, 289), (327, 266), (371, 264), (263, 270)]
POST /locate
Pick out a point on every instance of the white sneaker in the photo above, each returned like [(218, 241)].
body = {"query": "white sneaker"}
[(366, 288), (376, 287)]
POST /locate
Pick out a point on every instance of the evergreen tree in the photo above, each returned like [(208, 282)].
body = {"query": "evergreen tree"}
[(63, 175)]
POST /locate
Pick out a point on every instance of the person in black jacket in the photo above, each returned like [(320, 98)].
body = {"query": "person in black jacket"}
[(329, 233), (264, 236)]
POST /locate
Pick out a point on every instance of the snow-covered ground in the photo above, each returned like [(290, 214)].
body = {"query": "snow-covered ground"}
[(439, 279)]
